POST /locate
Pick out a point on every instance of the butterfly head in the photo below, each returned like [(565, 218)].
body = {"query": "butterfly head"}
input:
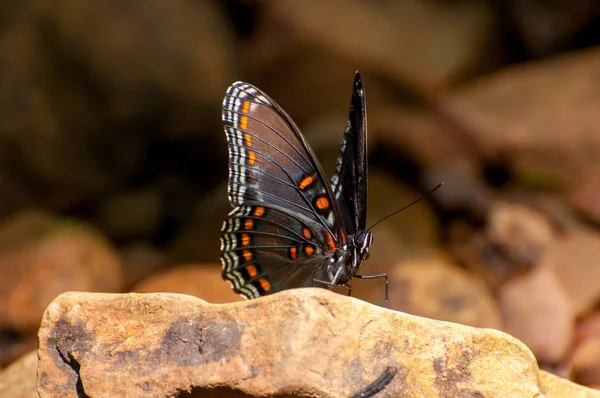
[(362, 243)]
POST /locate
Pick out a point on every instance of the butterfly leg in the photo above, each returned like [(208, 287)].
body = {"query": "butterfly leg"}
[(327, 284), (347, 286), (383, 275)]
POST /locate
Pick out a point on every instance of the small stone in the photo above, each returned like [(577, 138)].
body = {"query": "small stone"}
[(586, 366), (574, 259), (586, 197), (536, 311), (523, 233), (534, 114), (556, 387), (19, 379), (435, 288), (43, 256)]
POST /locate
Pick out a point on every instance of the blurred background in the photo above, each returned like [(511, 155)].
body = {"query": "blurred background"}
[(113, 159)]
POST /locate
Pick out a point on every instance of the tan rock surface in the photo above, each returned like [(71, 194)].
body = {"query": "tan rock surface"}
[(19, 379), (556, 387), (304, 341)]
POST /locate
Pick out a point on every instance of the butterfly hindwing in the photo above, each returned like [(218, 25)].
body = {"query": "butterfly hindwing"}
[(349, 182), (269, 160), (266, 248)]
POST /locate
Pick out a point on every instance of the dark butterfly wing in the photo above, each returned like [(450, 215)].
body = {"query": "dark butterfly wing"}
[(270, 162), (267, 248), (349, 182), (285, 228), (379, 384)]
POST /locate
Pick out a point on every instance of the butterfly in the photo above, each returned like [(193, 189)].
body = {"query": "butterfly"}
[(291, 227)]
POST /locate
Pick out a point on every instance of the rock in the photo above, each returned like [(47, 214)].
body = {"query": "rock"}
[(536, 311), (586, 197), (518, 233), (200, 280), (42, 256), (556, 387), (303, 341), (473, 249), (19, 379), (523, 232), (585, 361), (386, 37), (574, 259), (532, 115), (433, 287)]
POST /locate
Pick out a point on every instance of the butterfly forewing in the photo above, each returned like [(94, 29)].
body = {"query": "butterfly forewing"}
[(349, 182), (269, 161), (286, 219)]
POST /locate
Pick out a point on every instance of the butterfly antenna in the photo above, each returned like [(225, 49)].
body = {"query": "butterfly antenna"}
[(414, 202)]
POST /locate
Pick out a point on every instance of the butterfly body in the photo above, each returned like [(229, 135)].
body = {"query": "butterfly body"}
[(290, 227)]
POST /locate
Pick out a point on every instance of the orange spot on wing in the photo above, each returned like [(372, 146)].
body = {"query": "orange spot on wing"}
[(331, 242), (309, 250), (251, 269), (245, 239), (243, 122), (306, 233), (265, 284), (247, 255), (293, 253), (259, 211), (251, 158), (305, 182), (247, 138), (322, 203), (245, 106), (248, 224)]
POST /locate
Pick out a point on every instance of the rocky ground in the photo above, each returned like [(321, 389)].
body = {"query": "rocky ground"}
[(113, 180)]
